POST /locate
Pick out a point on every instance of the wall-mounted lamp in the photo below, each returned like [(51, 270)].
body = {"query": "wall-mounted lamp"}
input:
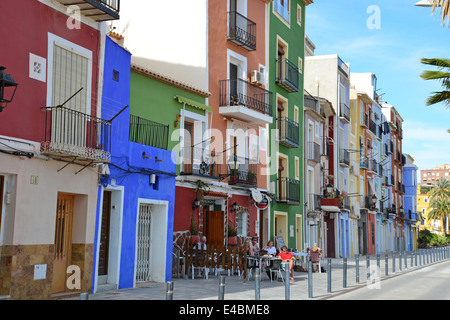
[(7, 88), (234, 207), (144, 155), (196, 203), (330, 188), (374, 199)]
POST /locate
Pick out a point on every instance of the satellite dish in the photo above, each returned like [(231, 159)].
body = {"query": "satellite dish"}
[(257, 195)]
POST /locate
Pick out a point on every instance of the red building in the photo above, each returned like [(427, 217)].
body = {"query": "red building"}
[(52, 138)]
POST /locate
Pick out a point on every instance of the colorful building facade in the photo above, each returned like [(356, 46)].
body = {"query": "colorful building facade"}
[(53, 138)]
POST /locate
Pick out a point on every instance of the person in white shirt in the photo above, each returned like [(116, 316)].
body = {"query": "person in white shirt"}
[(254, 246), (202, 243), (271, 249)]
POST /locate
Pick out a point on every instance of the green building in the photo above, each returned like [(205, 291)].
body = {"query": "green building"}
[(286, 38)]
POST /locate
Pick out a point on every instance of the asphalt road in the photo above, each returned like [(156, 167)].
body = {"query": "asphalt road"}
[(428, 283)]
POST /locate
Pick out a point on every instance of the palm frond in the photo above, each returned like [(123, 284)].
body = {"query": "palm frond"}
[(437, 97), (437, 62)]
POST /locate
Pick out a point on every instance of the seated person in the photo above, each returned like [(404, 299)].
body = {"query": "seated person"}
[(314, 255), (254, 246), (202, 243), (271, 249), (289, 257)]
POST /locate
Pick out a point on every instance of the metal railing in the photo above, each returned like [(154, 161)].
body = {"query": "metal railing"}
[(148, 132), (287, 75), (200, 162), (344, 157), (289, 132), (74, 133), (313, 151), (238, 92), (288, 190), (242, 171), (241, 31), (344, 111), (110, 4), (313, 202)]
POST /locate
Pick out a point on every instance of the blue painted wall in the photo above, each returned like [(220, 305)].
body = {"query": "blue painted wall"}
[(129, 169)]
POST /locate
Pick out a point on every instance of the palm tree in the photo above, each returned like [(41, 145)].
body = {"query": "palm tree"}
[(442, 75), (445, 9), (440, 202)]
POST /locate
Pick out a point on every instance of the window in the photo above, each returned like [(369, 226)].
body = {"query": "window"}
[(300, 65), (281, 7), (297, 168), (242, 223), (299, 15)]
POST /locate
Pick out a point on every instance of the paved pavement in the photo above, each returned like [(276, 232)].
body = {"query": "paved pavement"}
[(237, 289)]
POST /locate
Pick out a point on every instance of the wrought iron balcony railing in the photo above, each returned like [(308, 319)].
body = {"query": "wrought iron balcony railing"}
[(72, 133), (287, 76), (241, 31), (344, 157), (313, 151), (289, 132), (288, 190), (242, 171), (238, 92), (313, 202), (148, 132), (200, 162), (98, 10), (344, 112)]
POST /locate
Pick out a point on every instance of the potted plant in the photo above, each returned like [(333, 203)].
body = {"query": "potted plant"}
[(232, 235), (200, 191), (233, 176)]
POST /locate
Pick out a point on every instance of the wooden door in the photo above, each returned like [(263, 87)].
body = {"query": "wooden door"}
[(215, 228), (104, 235), (188, 151), (63, 241)]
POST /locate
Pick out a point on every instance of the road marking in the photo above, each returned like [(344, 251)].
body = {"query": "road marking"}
[(427, 269)]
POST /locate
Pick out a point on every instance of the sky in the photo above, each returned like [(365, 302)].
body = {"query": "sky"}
[(388, 38)]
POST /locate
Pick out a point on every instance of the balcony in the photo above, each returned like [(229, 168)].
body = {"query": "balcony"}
[(374, 167), (242, 171), (70, 133), (313, 202), (344, 112), (241, 31), (200, 162), (288, 191), (314, 151), (373, 128), (344, 158), (364, 164), (242, 100), (98, 10), (392, 147), (364, 120), (368, 203), (289, 133), (148, 132), (287, 75)]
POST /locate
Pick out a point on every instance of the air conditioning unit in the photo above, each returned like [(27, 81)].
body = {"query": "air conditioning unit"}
[(257, 77)]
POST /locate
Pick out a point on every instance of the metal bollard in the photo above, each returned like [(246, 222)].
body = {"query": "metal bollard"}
[(412, 259), (400, 261), (222, 288), (345, 273), (287, 281), (386, 264), (84, 296), (357, 268), (378, 262), (169, 290), (310, 280), (405, 255), (368, 267), (329, 275), (258, 284), (393, 262)]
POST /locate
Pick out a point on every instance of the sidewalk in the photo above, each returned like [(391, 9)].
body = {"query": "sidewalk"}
[(236, 289)]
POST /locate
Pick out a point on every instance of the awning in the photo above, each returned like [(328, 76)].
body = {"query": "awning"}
[(193, 103), (330, 208)]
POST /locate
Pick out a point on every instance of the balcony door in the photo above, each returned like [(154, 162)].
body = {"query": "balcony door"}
[(187, 147), (70, 125)]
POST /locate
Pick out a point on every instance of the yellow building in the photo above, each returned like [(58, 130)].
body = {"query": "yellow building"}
[(423, 207)]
